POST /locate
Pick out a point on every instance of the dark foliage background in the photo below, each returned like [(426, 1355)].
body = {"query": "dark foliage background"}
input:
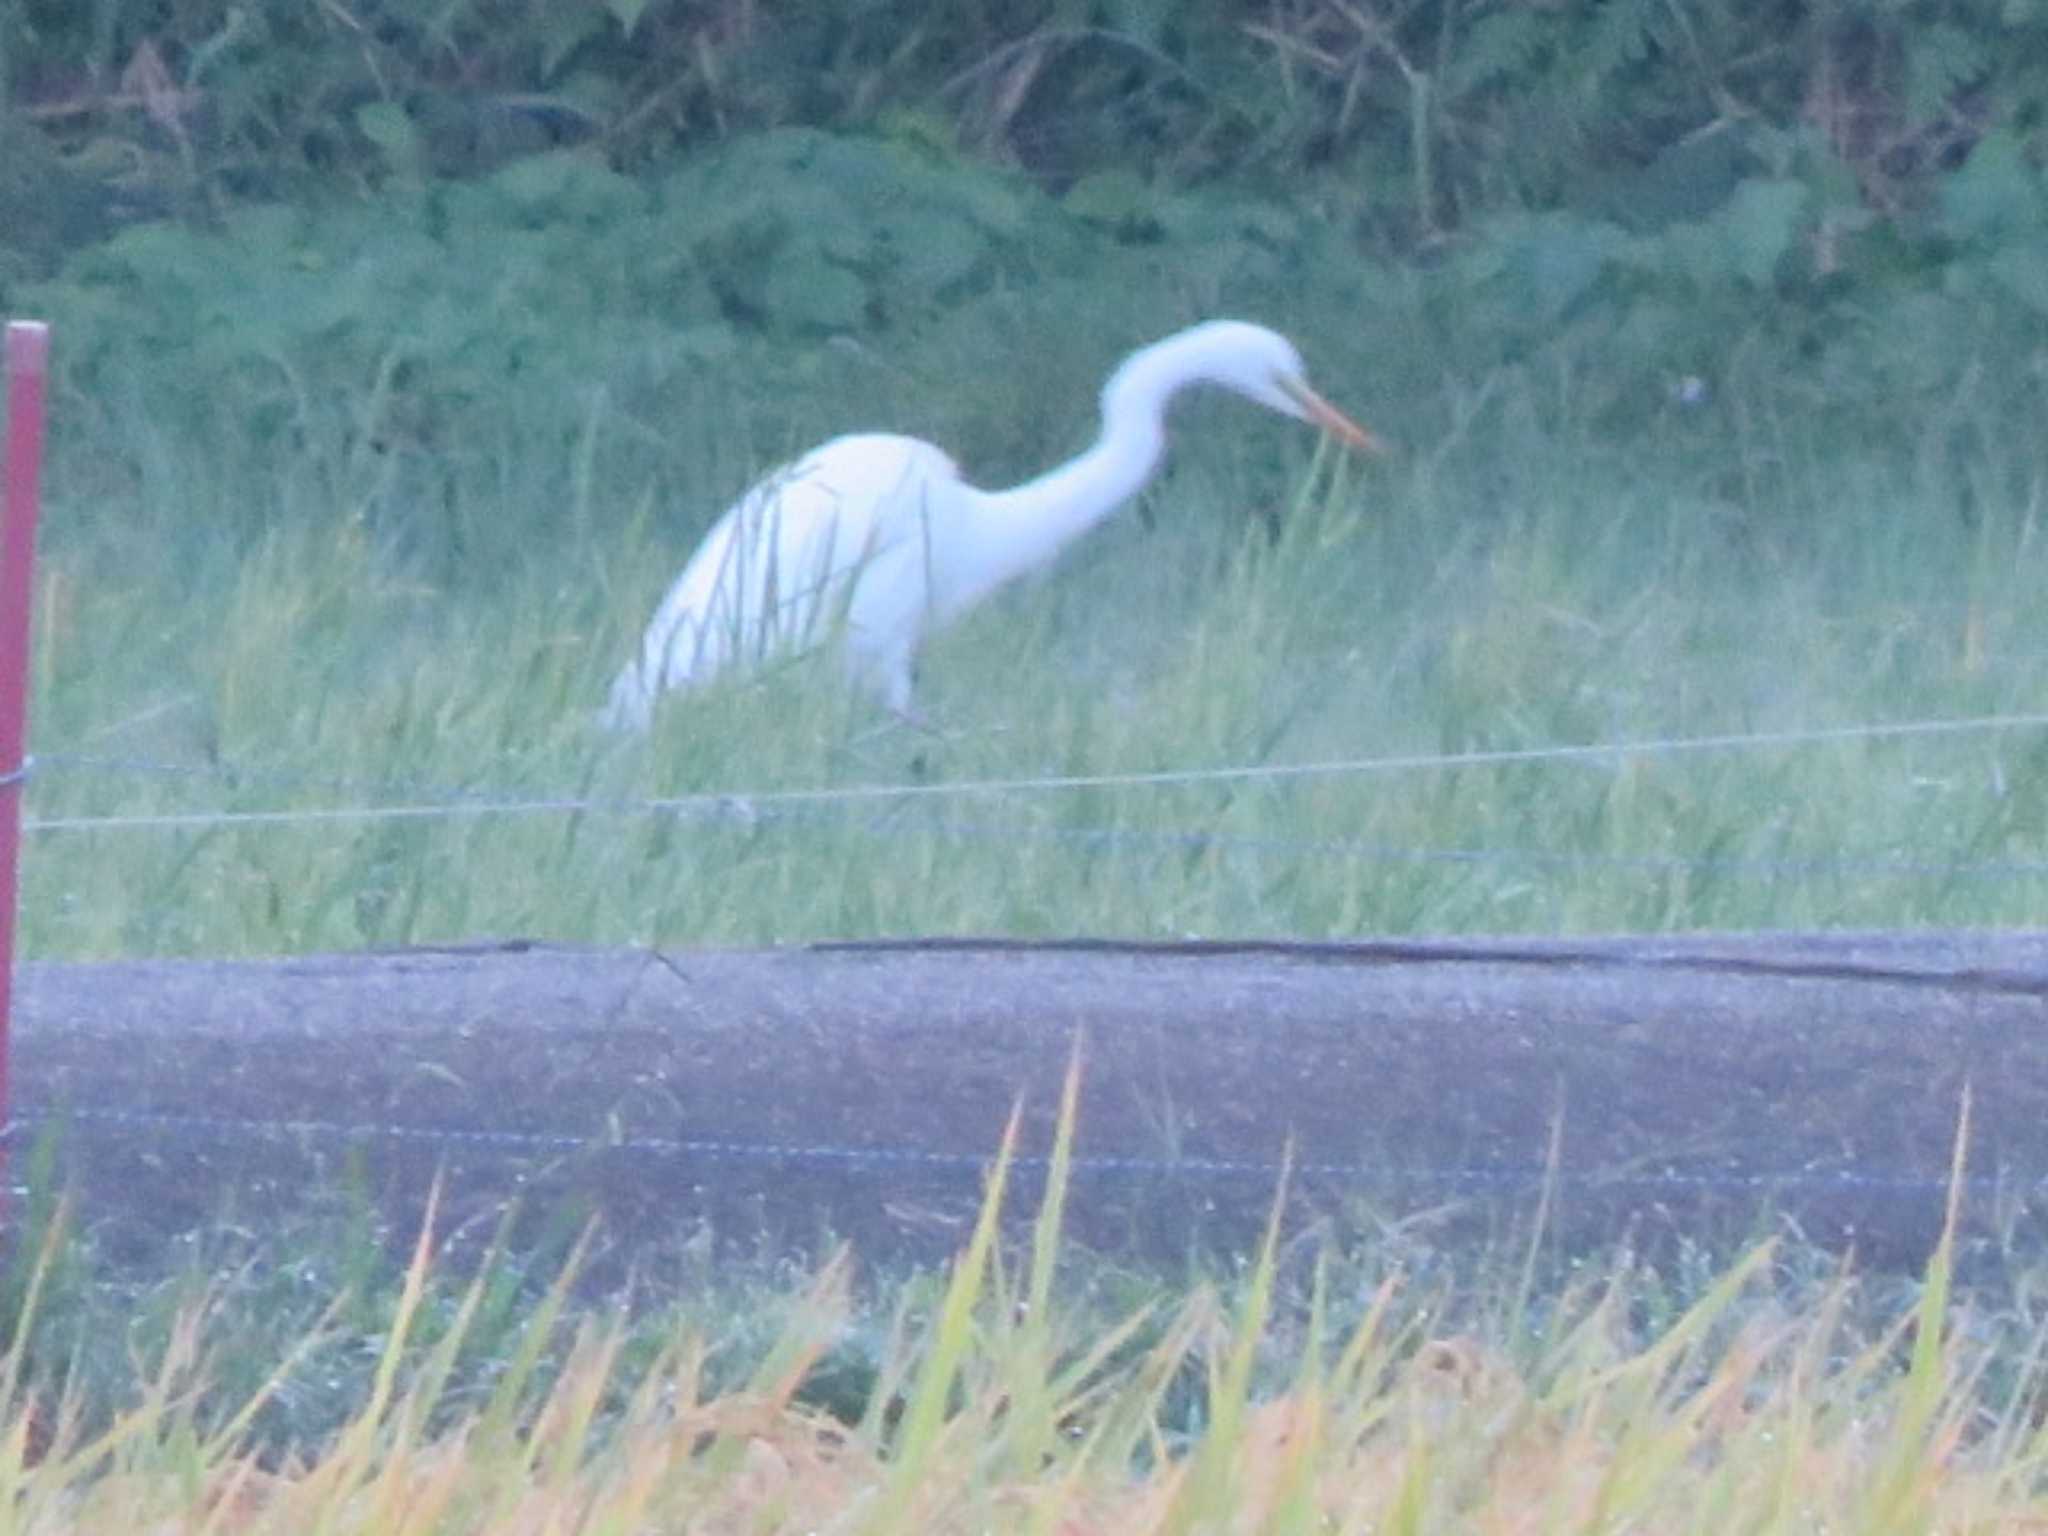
[(352, 221), (1411, 116)]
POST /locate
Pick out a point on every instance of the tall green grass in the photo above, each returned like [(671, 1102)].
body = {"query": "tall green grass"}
[(411, 621)]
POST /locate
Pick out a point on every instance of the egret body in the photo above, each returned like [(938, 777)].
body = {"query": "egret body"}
[(875, 539)]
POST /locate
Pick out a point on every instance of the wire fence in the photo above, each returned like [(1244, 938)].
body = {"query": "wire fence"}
[(882, 805), (394, 802), (1514, 1178), (445, 802)]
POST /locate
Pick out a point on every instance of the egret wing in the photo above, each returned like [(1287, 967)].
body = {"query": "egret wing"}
[(781, 570)]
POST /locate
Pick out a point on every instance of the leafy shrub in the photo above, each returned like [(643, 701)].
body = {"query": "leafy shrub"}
[(1430, 112), (392, 345), (400, 342)]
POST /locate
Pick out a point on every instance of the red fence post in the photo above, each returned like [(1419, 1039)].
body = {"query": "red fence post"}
[(28, 351)]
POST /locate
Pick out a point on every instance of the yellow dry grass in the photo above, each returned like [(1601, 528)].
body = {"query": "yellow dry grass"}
[(1738, 1417)]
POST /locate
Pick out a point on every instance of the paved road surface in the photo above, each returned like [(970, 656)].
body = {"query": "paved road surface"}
[(785, 1096)]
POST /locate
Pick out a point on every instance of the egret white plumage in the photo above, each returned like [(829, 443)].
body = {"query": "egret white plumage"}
[(877, 540)]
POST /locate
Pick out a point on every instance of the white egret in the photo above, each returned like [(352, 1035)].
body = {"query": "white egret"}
[(877, 540)]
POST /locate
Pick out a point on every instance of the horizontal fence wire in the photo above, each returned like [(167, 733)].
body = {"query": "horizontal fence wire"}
[(744, 803), (224, 1129), (887, 802), (238, 775)]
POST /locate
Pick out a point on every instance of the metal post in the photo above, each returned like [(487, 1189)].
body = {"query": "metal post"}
[(28, 350)]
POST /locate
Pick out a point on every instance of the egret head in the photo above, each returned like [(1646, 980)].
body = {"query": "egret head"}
[(1264, 367)]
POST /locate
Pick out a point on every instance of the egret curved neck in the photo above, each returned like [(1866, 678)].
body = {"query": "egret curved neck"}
[(1023, 528)]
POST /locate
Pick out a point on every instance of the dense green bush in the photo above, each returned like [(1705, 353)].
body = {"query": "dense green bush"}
[(1424, 113), (413, 244), (398, 334), (386, 334)]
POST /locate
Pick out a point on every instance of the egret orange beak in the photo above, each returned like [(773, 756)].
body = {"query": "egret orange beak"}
[(1330, 419)]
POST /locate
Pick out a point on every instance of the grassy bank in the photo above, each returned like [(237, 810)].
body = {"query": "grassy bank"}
[(1514, 578)]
